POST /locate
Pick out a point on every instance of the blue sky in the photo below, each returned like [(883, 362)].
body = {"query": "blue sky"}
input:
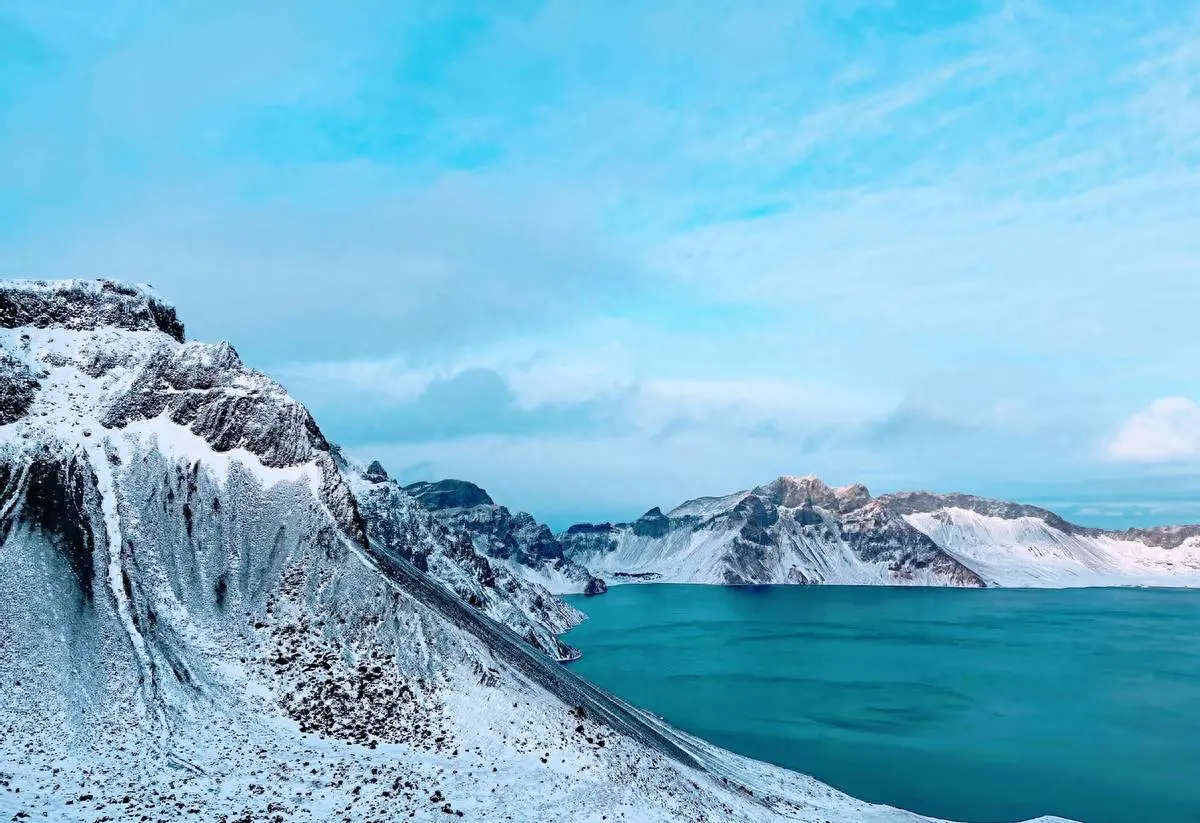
[(604, 256)]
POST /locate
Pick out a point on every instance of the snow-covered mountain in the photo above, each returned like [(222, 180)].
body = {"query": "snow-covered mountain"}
[(202, 618), (528, 548), (1010, 544), (792, 530), (799, 530)]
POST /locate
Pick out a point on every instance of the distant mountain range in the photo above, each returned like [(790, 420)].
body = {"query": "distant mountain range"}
[(800, 530)]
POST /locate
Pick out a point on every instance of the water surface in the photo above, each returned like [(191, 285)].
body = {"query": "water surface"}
[(992, 705)]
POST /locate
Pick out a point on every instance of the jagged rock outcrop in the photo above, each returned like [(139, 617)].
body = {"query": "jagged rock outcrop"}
[(18, 383), (520, 542), (375, 472), (594, 587), (80, 305)]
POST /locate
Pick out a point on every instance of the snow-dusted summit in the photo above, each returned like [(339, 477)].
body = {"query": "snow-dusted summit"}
[(200, 619)]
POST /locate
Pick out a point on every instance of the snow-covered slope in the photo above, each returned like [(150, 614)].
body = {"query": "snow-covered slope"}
[(517, 541), (793, 530), (396, 522), (196, 625), (1009, 544)]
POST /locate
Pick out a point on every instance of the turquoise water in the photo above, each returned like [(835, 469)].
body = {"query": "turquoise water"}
[(991, 705)]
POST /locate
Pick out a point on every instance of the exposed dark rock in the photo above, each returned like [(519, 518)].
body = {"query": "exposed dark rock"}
[(652, 524), (18, 385), (595, 585), (398, 525), (496, 531), (58, 496), (449, 494), (375, 472), (591, 528), (85, 304)]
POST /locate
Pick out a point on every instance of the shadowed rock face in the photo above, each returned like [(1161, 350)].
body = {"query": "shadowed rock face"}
[(84, 305), (595, 586), (448, 494), (18, 383), (375, 472), (57, 494), (652, 524)]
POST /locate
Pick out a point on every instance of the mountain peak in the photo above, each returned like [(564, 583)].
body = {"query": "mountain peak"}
[(449, 494), (375, 472), (793, 491), (86, 305)]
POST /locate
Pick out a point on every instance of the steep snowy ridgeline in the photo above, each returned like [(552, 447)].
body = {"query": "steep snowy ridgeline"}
[(792, 530), (1010, 544), (194, 626), (517, 541), (397, 523)]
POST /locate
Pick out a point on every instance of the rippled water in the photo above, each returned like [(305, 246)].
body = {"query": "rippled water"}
[(988, 705)]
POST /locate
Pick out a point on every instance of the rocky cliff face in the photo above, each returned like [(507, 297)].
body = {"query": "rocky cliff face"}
[(792, 530), (520, 543), (197, 621), (86, 305)]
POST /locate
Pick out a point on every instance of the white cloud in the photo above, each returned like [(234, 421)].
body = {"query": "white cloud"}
[(603, 375), (388, 378), (1166, 430)]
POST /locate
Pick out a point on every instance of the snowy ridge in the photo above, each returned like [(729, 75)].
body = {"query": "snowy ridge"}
[(792, 530), (396, 522), (517, 541), (196, 623), (799, 530), (1028, 550)]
